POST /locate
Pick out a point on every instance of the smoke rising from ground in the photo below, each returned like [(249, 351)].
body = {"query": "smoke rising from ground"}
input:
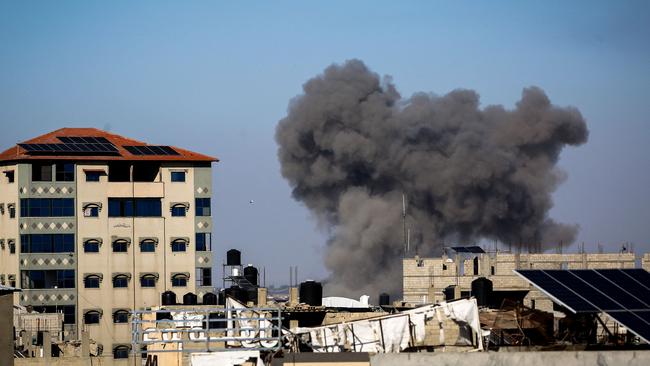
[(350, 146)]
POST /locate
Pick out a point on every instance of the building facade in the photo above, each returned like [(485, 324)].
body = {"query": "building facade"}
[(93, 224), (425, 279)]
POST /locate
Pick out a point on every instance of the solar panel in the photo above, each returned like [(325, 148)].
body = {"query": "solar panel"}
[(623, 294), (472, 249), (94, 148), (150, 150)]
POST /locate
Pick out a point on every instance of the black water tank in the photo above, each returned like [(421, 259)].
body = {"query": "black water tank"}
[(221, 297), (237, 293), (384, 299), (482, 291), (250, 273), (311, 293), (209, 299), (449, 292), (189, 299), (168, 298), (233, 257), (251, 294)]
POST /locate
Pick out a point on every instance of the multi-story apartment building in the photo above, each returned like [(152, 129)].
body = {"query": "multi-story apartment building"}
[(93, 224)]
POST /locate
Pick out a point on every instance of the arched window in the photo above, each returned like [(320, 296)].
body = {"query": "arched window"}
[(91, 246), (121, 351), (92, 281), (148, 280), (147, 245), (120, 281), (179, 280), (92, 317), (179, 209), (121, 316), (120, 246), (179, 245), (92, 209)]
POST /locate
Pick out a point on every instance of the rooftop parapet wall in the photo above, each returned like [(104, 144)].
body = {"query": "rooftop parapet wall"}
[(422, 274)]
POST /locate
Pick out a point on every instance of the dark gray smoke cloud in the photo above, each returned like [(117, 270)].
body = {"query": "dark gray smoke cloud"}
[(350, 146)]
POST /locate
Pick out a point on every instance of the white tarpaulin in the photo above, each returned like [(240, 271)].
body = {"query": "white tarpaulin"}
[(392, 333), (229, 358)]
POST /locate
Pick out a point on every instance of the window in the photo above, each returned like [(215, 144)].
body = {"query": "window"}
[(202, 206), (121, 352), (204, 276), (47, 279), (492, 271), (148, 207), (91, 210), (129, 207), (12, 210), (91, 246), (120, 246), (179, 280), (93, 175), (64, 172), (203, 242), (92, 317), (121, 281), (148, 280), (12, 246), (121, 316), (10, 176), (91, 281), (148, 246), (47, 243), (178, 176), (46, 207), (41, 172), (178, 210), (444, 267), (178, 245)]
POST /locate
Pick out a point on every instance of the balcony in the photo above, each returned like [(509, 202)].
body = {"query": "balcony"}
[(136, 189)]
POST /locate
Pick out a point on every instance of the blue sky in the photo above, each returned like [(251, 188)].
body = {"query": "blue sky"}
[(216, 77)]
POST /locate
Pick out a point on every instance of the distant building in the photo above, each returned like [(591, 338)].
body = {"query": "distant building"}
[(425, 279), (93, 224)]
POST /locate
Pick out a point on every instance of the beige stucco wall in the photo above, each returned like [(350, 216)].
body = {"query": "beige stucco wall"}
[(9, 227), (163, 261)]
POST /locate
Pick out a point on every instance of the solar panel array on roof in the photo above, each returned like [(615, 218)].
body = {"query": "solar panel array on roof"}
[(472, 249), (150, 150), (624, 294), (84, 140), (71, 148)]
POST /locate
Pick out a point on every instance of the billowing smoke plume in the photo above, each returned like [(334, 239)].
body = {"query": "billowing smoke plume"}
[(350, 147)]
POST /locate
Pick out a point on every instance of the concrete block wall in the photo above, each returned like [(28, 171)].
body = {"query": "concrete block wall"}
[(423, 277)]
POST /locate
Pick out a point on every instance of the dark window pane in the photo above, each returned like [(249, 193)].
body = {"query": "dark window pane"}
[(93, 176), (178, 210), (179, 281), (148, 281), (91, 317), (121, 316), (120, 246), (64, 172), (203, 242), (147, 246), (178, 245), (202, 206), (41, 172), (120, 281), (91, 282), (121, 352), (91, 246), (178, 176)]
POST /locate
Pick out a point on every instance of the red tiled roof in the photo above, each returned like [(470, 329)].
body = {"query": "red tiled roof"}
[(17, 153)]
